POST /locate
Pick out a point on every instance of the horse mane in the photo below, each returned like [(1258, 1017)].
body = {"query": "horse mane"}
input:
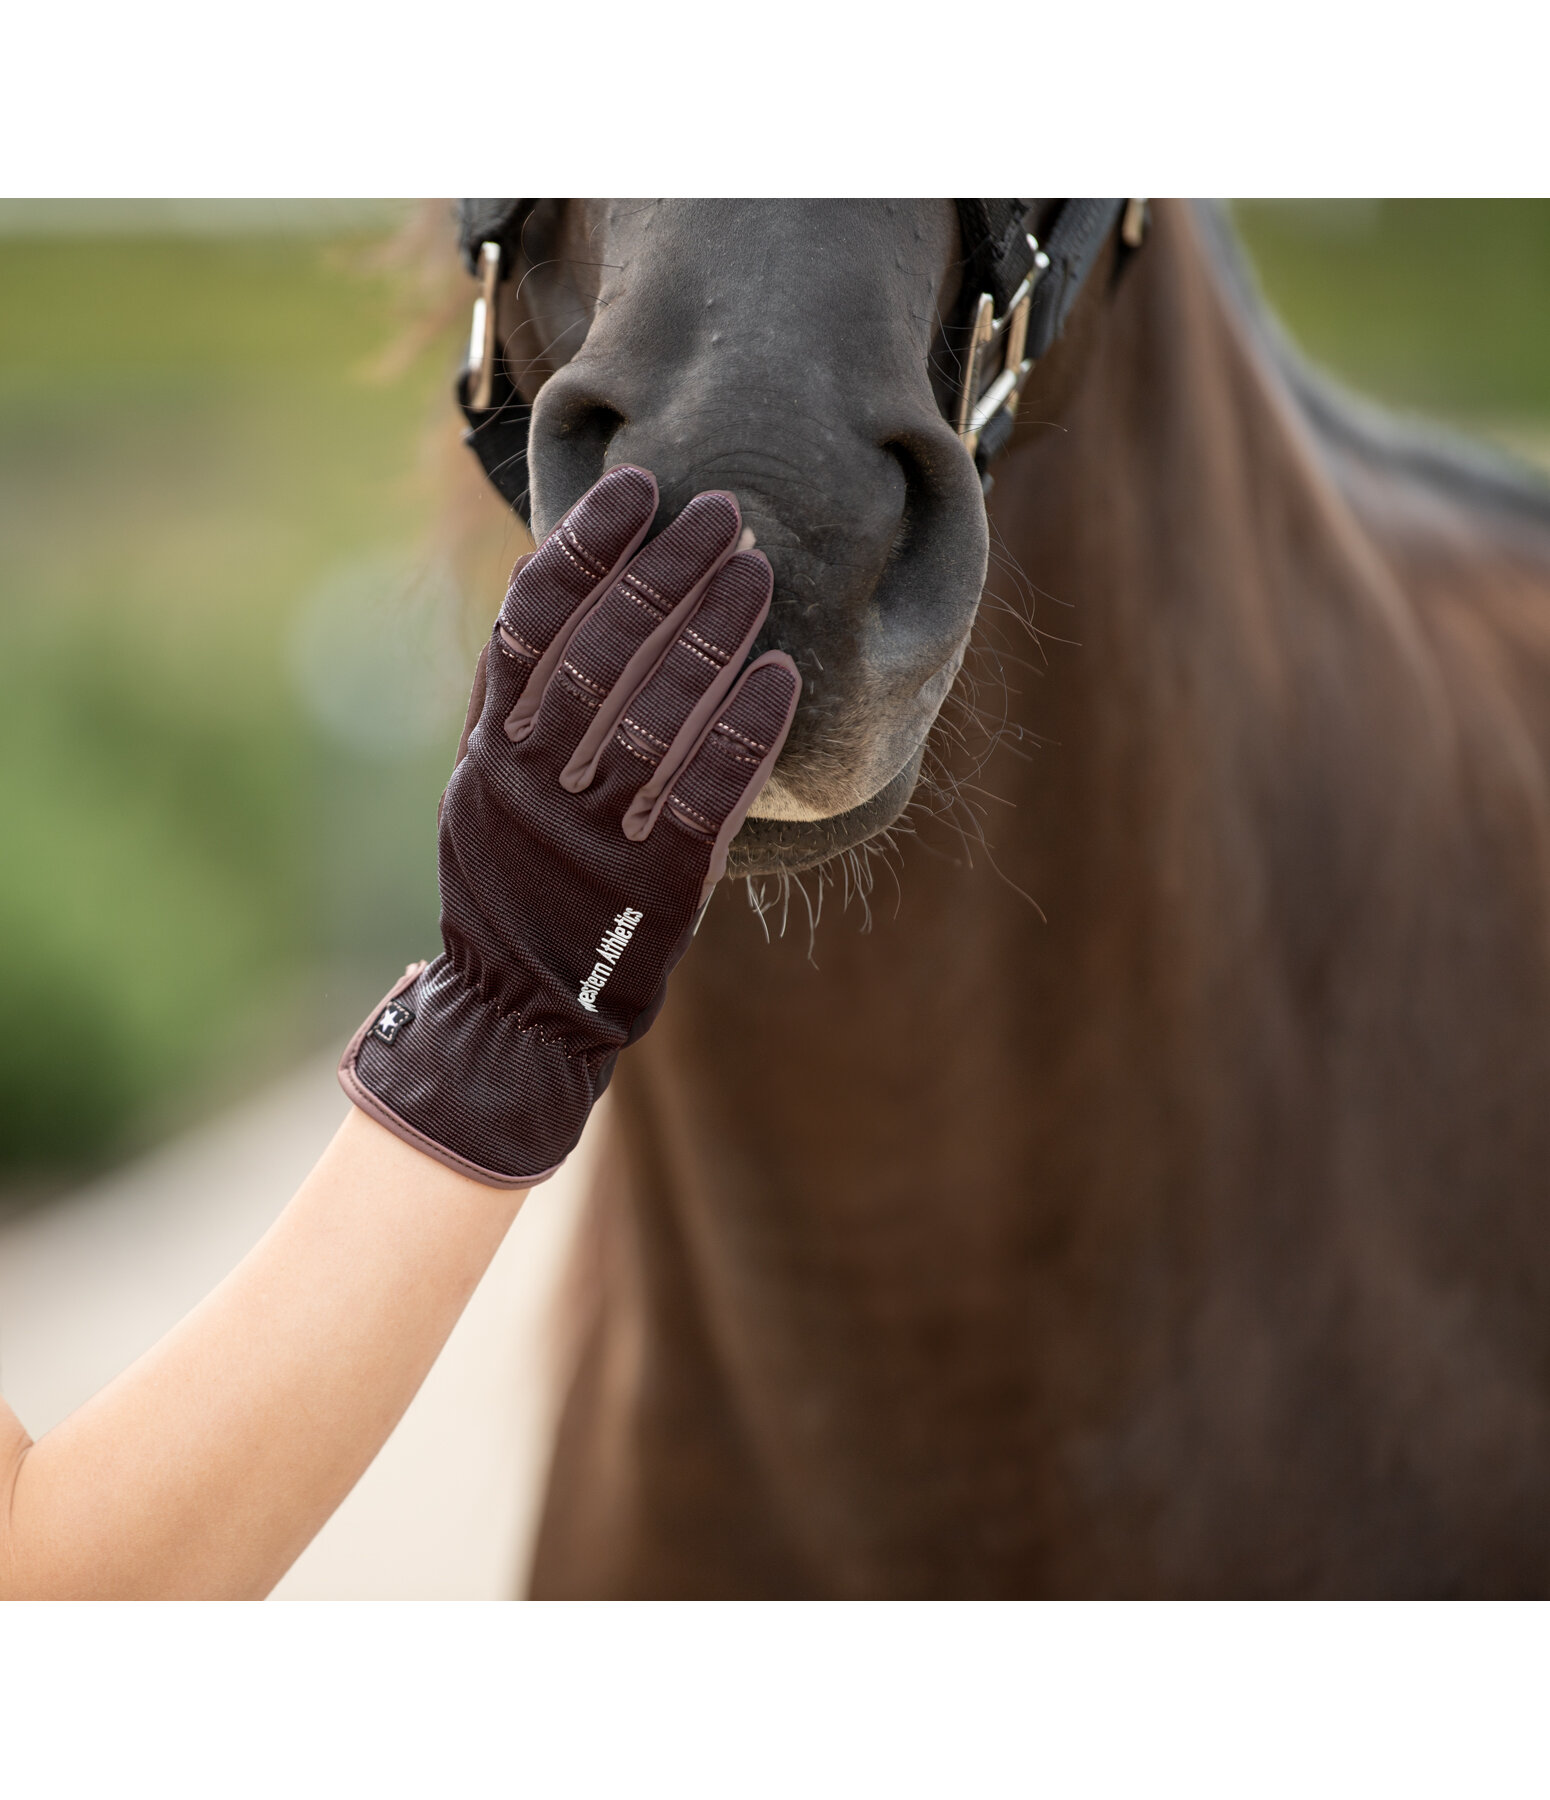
[(1350, 427)]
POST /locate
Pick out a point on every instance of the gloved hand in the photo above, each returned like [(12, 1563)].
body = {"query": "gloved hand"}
[(615, 741)]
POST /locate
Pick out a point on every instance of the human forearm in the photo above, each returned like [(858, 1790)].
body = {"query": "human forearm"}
[(209, 1465)]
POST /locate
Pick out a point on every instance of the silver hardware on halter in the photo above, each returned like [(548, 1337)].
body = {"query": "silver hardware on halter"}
[(1132, 230), (481, 339), (975, 411)]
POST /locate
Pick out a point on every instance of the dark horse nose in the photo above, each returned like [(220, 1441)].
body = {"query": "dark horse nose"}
[(809, 400), (828, 506)]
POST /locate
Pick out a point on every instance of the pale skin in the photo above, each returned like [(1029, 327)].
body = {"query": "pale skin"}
[(207, 1467)]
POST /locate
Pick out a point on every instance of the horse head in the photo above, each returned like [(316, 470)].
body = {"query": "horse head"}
[(797, 354)]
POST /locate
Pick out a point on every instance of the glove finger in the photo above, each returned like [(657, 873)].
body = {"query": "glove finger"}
[(665, 721), (552, 589), (711, 796), (627, 630), (475, 703), (471, 718)]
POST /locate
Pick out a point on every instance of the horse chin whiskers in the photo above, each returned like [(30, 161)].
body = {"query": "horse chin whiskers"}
[(946, 793), (974, 721), (852, 872)]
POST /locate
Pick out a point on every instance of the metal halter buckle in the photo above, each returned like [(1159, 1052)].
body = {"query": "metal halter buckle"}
[(1001, 392), (481, 339), (997, 361)]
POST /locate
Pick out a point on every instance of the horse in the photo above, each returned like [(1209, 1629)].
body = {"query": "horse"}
[(1142, 1186)]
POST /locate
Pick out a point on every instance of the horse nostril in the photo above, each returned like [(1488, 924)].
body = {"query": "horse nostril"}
[(587, 432), (569, 443), (914, 498)]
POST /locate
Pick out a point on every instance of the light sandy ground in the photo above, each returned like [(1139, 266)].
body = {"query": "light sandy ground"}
[(448, 1509)]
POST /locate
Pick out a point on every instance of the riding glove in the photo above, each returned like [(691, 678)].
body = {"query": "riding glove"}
[(616, 738)]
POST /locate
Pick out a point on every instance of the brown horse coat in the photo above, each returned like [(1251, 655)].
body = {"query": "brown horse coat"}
[(1194, 1237)]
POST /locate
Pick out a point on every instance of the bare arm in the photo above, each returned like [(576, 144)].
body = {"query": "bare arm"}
[(206, 1468)]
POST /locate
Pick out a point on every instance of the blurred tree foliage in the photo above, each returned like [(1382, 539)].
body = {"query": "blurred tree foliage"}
[(1431, 305), (197, 877), (194, 880)]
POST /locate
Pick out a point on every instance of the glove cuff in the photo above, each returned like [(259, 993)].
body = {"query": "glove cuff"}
[(463, 1083)]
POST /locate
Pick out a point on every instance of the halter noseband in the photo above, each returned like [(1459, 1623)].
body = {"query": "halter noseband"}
[(1025, 292)]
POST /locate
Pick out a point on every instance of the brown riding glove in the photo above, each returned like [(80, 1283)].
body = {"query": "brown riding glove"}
[(615, 741)]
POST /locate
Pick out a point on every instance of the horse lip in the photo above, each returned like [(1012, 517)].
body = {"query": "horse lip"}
[(787, 846)]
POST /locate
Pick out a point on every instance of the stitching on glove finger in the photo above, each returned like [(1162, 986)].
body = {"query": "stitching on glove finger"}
[(706, 644), (516, 648), (725, 749), (742, 737), (581, 550), (650, 737), (592, 687), (644, 755), (570, 556), (645, 605), (645, 587), (701, 825)]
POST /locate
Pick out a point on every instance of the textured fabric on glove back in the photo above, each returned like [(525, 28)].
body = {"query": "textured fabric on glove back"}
[(616, 737)]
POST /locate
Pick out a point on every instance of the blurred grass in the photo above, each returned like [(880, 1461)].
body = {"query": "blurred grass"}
[(195, 878), (199, 877), (1435, 306)]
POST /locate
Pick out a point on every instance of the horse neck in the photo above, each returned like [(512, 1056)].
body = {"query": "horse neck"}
[(1221, 632), (1174, 510)]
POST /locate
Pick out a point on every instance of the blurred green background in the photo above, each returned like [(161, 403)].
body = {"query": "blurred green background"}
[(233, 662), (232, 665)]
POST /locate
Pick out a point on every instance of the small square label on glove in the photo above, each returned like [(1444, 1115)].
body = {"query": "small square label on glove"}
[(391, 1020)]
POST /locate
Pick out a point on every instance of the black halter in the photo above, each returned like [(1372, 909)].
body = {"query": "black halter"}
[(1019, 294)]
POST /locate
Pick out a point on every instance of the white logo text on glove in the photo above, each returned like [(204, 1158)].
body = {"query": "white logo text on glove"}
[(609, 950)]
